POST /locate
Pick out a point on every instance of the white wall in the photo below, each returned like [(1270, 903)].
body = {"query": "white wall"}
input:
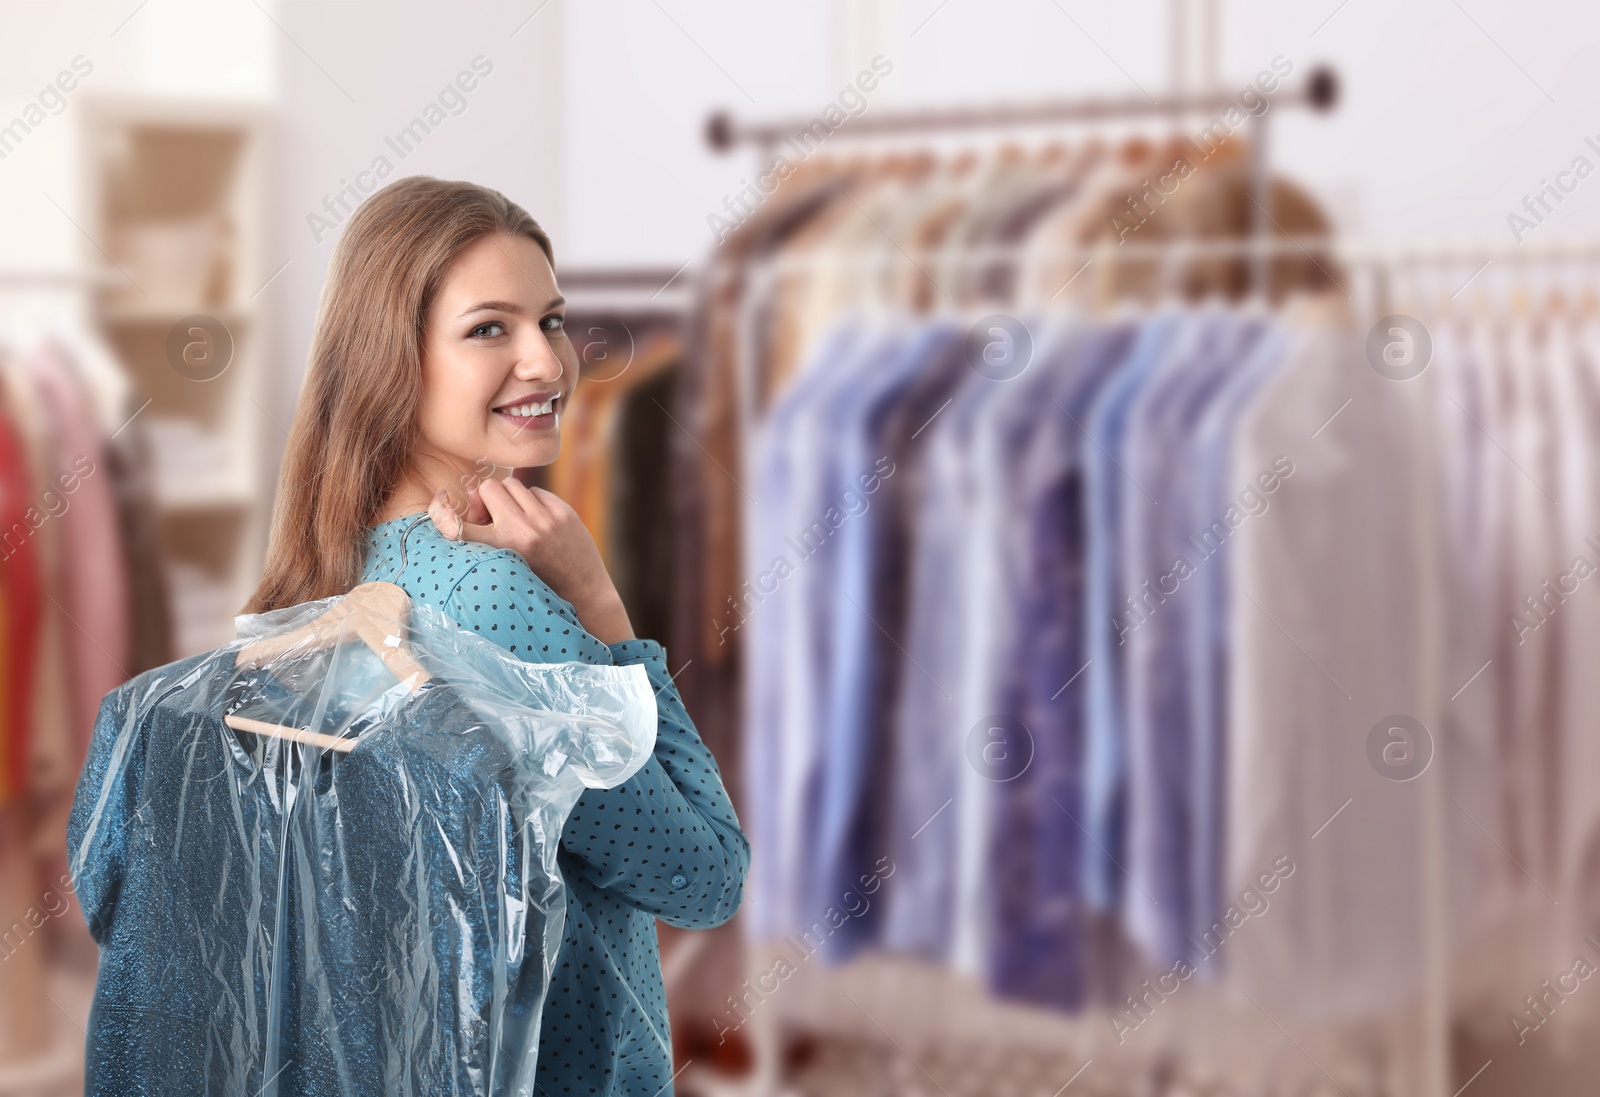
[(1439, 132), (593, 117), (356, 74)]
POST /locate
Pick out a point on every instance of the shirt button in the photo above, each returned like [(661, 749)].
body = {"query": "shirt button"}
[(679, 880)]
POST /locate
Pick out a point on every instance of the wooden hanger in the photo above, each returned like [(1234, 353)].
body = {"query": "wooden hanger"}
[(378, 613)]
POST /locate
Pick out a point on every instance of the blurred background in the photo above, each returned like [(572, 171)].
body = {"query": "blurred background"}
[(1117, 484)]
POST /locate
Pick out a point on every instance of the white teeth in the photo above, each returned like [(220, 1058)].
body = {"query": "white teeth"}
[(529, 410)]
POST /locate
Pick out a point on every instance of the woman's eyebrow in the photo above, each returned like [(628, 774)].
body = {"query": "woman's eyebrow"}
[(509, 306)]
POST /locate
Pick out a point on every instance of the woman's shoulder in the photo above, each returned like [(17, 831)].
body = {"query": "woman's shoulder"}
[(488, 590), (412, 552)]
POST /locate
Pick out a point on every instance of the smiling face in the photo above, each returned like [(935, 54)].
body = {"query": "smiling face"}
[(497, 368)]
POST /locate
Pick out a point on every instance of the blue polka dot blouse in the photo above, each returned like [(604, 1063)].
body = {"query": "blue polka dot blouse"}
[(663, 844)]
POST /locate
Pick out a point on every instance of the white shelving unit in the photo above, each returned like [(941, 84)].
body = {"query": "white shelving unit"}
[(176, 209)]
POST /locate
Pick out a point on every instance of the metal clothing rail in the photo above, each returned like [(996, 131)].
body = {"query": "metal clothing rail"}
[(1319, 91)]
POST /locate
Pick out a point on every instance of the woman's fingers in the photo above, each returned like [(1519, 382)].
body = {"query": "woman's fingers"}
[(515, 514), (454, 522), (445, 517), (510, 506), (474, 512), (531, 500)]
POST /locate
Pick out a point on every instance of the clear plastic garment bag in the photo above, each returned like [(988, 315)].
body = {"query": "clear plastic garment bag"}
[(321, 859)]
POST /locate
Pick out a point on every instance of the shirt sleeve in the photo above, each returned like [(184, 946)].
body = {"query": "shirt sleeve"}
[(666, 840)]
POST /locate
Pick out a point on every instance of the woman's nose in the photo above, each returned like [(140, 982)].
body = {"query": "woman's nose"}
[(537, 361)]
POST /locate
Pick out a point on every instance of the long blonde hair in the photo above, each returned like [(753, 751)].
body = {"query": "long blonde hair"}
[(355, 428)]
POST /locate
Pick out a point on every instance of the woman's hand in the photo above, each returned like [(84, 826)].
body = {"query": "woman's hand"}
[(546, 532)]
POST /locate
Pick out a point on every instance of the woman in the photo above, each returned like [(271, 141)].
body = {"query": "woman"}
[(440, 365)]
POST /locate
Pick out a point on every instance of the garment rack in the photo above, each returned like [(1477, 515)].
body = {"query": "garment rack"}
[(1319, 91)]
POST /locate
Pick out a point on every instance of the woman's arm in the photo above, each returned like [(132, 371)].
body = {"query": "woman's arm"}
[(667, 839), (671, 843)]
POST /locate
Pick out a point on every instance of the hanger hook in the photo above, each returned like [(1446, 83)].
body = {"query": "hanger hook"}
[(404, 534)]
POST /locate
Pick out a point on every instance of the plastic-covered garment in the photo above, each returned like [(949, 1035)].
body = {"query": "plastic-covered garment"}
[(277, 917)]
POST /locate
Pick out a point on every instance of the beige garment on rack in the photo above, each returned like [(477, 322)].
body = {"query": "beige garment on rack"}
[(811, 302), (776, 357), (1046, 265), (938, 204), (1005, 178), (1504, 891), (1054, 182), (886, 277), (1119, 202), (789, 296)]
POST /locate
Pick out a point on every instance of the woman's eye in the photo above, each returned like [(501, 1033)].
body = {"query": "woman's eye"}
[(480, 329), (553, 323)]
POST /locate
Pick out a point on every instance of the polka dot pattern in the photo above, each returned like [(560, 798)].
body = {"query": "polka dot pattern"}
[(663, 844)]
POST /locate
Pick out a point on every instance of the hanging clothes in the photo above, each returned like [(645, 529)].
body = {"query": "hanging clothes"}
[(275, 913), (908, 648), (641, 549), (95, 584), (21, 590)]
